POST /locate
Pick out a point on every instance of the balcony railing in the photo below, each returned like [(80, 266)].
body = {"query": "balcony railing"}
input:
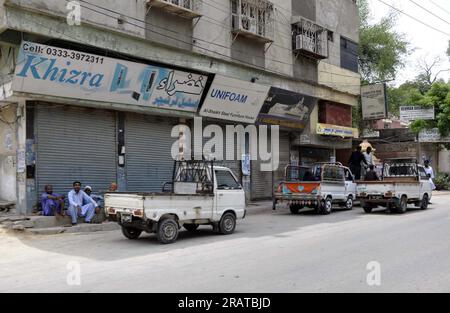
[(185, 8), (253, 19), (310, 39)]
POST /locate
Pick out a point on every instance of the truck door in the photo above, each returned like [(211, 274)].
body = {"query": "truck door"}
[(229, 194)]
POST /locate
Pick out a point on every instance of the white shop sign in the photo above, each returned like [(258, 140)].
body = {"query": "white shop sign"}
[(412, 113), (67, 73), (374, 102), (235, 100), (432, 136)]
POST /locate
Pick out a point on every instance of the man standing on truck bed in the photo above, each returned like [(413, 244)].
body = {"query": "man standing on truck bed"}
[(355, 162)]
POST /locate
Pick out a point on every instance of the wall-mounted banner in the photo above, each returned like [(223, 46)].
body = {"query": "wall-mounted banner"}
[(234, 100), (61, 72), (337, 131), (432, 136), (286, 109), (412, 113), (374, 101)]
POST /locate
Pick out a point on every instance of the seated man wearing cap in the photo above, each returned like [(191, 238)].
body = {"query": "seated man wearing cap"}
[(100, 215)]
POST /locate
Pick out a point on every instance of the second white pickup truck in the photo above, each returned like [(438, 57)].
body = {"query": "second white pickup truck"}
[(200, 194), (404, 182)]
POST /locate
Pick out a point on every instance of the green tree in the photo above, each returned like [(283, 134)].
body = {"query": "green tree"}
[(438, 97), (381, 49)]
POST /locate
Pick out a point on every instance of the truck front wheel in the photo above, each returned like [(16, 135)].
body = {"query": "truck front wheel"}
[(167, 231), (326, 206), (227, 224), (131, 233), (425, 202)]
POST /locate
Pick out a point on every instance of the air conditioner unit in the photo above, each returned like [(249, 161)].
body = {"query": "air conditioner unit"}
[(303, 42)]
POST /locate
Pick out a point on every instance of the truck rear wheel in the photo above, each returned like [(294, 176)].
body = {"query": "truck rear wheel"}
[(403, 205), (167, 231), (191, 227), (295, 208), (131, 233), (227, 224)]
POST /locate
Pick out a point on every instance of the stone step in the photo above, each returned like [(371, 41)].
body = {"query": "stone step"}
[(80, 228)]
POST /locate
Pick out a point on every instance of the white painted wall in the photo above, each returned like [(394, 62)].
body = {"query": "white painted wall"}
[(7, 154), (444, 161), (132, 8)]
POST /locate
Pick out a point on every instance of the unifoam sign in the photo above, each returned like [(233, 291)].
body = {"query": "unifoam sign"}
[(61, 72), (233, 99)]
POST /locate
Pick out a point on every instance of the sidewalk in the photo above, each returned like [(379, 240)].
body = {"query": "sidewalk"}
[(49, 225), (441, 193)]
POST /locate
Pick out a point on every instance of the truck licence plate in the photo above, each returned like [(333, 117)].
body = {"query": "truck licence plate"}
[(126, 218)]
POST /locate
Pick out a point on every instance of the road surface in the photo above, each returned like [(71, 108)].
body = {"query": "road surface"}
[(348, 251)]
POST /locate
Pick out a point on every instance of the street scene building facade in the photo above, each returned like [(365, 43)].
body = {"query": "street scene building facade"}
[(91, 90)]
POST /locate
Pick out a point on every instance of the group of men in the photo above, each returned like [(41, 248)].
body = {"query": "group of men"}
[(82, 203), (363, 162)]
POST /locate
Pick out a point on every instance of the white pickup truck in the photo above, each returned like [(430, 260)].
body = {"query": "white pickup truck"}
[(403, 182), (200, 194), (318, 187)]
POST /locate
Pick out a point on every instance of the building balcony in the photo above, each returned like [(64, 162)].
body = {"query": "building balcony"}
[(253, 19), (310, 39), (188, 9)]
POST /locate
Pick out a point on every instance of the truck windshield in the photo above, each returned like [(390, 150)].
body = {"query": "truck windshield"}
[(226, 181)]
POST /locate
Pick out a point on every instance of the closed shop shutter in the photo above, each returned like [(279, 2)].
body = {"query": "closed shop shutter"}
[(75, 144), (284, 158), (148, 145), (261, 183)]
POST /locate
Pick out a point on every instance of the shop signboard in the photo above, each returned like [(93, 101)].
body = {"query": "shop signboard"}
[(412, 113), (53, 71), (337, 131), (374, 101), (234, 100), (287, 109)]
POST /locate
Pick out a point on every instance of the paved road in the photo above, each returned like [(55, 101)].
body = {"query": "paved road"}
[(270, 252)]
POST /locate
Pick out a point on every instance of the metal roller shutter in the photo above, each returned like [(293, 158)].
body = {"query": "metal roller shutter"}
[(75, 144), (261, 183), (148, 145), (285, 156)]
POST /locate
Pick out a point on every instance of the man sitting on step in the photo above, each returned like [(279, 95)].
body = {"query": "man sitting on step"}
[(51, 203), (76, 207)]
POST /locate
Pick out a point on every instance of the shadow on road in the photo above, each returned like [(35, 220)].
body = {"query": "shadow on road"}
[(110, 246)]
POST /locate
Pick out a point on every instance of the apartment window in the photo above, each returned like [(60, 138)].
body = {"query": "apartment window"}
[(252, 17), (349, 55)]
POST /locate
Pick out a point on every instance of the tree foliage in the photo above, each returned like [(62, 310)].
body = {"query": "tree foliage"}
[(381, 48)]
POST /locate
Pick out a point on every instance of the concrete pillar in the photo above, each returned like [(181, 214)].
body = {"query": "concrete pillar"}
[(21, 174)]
